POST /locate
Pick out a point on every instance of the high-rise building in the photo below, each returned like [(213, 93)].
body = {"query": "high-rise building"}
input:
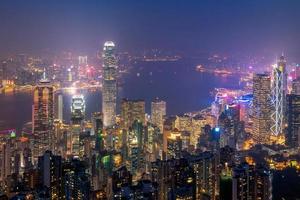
[(50, 174), (43, 115), (77, 109), (158, 112), (296, 86), (251, 182), (293, 121), (261, 108), (205, 166), (97, 131), (132, 110), (109, 89), (279, 91), (59, 106), (6, 157), (77, 117)]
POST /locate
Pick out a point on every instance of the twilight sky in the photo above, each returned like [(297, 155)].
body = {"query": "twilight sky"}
[(249, 26)]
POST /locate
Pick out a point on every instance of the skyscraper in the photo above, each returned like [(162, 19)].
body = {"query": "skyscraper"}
[(293, 121), (279, 91), (43, 115), (132, 110), (158, 112), (50, 173), (261, 111), (251, 182), (59, 105), (109, 89), (296, 86), (78, 111)]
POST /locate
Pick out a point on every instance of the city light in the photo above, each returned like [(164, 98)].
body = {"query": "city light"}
[(152, 100)]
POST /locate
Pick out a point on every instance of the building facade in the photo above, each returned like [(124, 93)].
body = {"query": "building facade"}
[(109, 84)]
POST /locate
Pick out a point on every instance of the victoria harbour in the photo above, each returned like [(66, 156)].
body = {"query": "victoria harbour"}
[(176, 82), (149, 100)]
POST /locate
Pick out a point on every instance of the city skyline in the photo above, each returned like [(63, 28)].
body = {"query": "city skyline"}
[(154, 100)]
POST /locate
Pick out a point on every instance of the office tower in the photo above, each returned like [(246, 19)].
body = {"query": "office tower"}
[(77, 109), (158, 112), (296, 86), (261, 108), (43, 115), (132, 110), (251, 182), (293, 121), (60, 107), (109, 84), (279, 91), (77, 117), (50, 174)]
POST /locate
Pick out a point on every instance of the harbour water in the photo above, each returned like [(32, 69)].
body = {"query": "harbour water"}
[(177, 82)]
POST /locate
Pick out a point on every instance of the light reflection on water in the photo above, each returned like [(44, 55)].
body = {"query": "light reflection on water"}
[(177, 83)]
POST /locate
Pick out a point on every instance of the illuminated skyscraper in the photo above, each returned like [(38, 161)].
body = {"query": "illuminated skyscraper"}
[(158, 112), (77, 116), (109, 89), (77, 109), (59, 105), (279, 91), (43, 114), (261, 110), (132, 110)]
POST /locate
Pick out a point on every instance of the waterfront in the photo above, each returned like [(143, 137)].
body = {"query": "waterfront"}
[(177, 83)]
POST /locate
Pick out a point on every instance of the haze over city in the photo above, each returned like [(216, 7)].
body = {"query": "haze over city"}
[(154, 100), (228, 26)]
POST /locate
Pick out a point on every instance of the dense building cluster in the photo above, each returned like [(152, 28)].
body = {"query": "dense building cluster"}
[(228, 151)]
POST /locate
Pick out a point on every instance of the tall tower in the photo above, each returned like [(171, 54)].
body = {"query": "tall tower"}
[(158, 112), (279, 91), (261, 110), (77, 117), (132, 110), (43, 115), (109, 89)]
